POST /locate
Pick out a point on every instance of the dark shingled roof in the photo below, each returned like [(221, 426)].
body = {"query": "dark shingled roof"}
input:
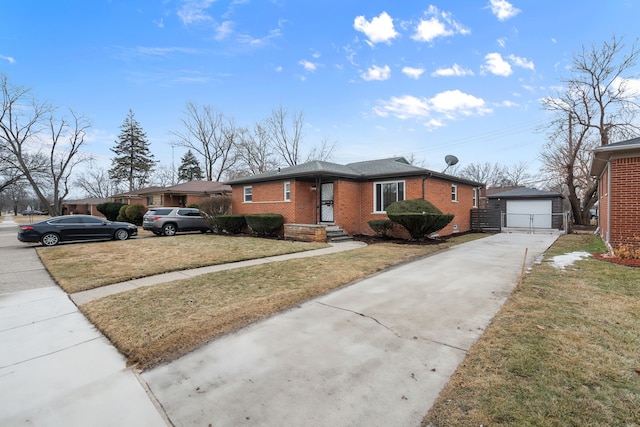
[(524, 193), (372, 169)]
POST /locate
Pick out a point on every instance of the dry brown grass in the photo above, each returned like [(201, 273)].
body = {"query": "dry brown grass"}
[(78, 267), (156, 324), (563, 351)]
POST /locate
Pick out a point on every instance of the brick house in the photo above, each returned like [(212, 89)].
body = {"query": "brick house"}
[(350, 195), (617, 167), (180, 195), (83, 206)]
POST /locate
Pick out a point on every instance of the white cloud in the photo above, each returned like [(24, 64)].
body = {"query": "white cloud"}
[(379, 30), (630, 87), (377, 73), (224, 30), (496, 65), (503, 10), (9, 59), (193, 11), (414, 73), (502, 42), (440, 24), (278, 69), (455, 70), (308, 65), (521, 62), (433, 112)]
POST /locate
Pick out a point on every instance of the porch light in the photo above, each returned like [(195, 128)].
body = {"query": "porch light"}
[(313, 188)]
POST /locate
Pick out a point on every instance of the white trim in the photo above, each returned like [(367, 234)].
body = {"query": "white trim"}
[(454, 193), (375, 192), (244, 194), (287, 193)]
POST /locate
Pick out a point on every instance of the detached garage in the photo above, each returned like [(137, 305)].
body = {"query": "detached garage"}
[(528, 208)]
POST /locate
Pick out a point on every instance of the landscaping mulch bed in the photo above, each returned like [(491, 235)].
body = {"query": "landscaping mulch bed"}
[(621, 261)]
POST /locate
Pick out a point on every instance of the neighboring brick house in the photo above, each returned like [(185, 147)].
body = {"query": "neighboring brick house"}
[(83, 206), (350, 195), (617, 167), (180, 195)]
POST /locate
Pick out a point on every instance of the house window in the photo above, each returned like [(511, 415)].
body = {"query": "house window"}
[(454, 193), (386, 193), (475, 197), (287, 191), (149, 200), (248, 194)]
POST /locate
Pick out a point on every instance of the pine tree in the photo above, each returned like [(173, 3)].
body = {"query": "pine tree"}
[(189, 168), (133, 162)]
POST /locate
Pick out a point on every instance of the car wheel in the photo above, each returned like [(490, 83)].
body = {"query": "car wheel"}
[(50, 239), (169, 229), (121, 234)]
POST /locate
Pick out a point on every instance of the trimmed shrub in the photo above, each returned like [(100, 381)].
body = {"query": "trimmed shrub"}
[(134, 213), (122, 214), (421, 225), (110, 210), (419, 217), (233, 224), (265, 224), (381, 227), (412, 206), (212, 208)]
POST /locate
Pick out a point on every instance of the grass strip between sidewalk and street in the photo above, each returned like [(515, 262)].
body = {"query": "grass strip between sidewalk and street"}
[(79, 267), (562, 351), (156, 324)]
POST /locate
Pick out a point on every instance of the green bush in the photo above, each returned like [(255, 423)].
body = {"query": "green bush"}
[(421, 225), (212, 208), (134, 213), (265, 224), (122, 214), (381, 227), (412, 206), (233, 224), (110, 210), (419, 217)]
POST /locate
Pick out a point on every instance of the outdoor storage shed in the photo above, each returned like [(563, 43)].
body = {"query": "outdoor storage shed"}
[(528, 208)]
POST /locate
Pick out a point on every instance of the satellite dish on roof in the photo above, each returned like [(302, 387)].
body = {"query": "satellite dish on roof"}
[(451, 160)]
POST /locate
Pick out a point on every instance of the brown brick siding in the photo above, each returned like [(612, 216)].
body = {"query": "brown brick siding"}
[(353, 202), (624, 200)]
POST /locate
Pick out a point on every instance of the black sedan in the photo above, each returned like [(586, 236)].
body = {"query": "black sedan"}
[(51, 231)]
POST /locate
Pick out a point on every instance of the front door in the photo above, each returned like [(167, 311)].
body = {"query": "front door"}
[(326, 202)]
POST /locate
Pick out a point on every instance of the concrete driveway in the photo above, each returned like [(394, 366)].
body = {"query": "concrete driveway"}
[(376, 353)]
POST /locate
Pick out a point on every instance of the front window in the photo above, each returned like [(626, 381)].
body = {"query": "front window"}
[(387, 193), (287, 191), (248, 194), (454, 193), (475, 197)]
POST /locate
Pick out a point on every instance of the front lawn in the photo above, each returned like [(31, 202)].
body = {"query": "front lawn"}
[(563, 350), (87, 265), (159, 323)]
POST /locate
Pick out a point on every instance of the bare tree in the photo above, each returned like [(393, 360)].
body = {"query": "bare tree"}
[(595, 106), (490, 174), (255, 154), (516, 175), (162, 176), (43, 148), (285, 133), (324, 151), (95, 182), (211, 136)]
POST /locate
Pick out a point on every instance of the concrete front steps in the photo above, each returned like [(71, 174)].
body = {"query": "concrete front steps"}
[(336, 234)]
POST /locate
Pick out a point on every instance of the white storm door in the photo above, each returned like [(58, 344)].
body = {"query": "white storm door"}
[(326, 202)]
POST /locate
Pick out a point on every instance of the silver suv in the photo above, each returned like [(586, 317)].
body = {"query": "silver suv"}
[(169, 221)]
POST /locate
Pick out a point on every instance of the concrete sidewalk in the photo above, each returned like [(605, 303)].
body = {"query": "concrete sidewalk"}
[(376, 353), (56, 369)]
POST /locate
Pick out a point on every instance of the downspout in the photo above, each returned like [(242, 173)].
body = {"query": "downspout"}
[(424, 178), (608, 202)]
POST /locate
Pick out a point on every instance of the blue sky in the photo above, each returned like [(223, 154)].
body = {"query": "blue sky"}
[(380, 78)]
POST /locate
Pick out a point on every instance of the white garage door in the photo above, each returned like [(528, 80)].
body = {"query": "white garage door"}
[(529, 213)]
